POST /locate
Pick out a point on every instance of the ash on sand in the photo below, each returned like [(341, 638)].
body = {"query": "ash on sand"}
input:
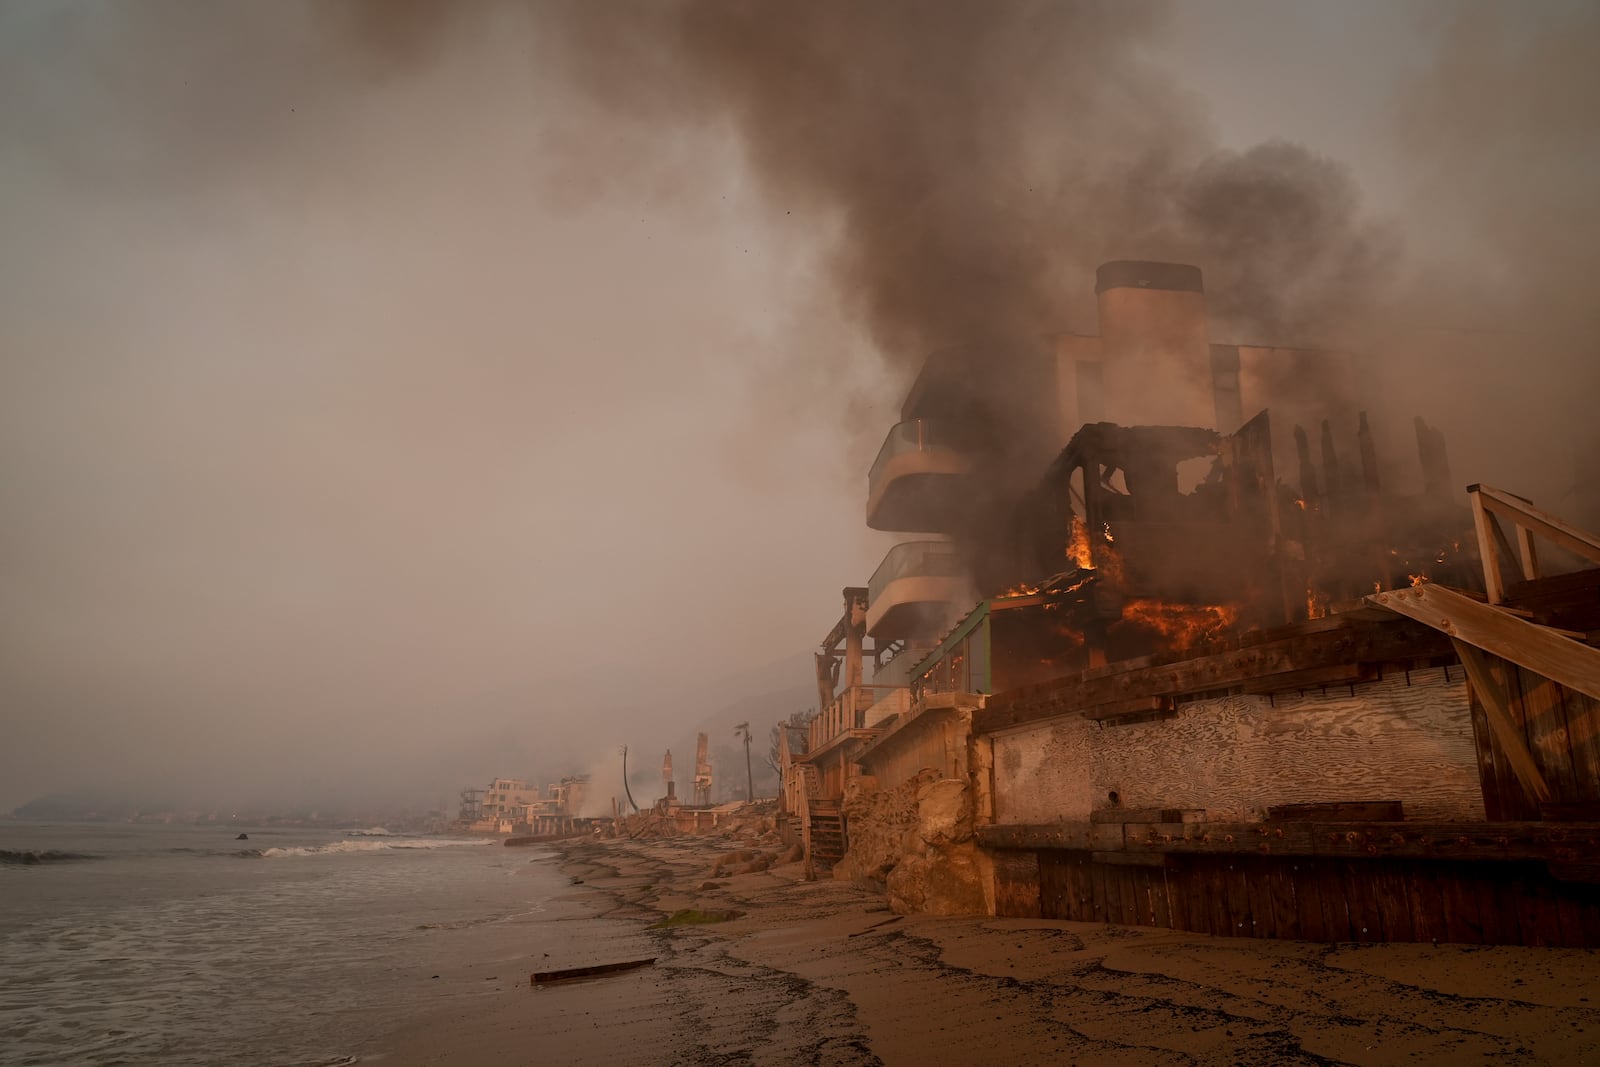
[(808, 973)]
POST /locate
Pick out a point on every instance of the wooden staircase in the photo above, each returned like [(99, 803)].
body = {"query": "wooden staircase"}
[(821, 824), (827, 834)]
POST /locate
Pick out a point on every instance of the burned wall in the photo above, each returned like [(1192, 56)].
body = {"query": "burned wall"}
[(1407, 737)]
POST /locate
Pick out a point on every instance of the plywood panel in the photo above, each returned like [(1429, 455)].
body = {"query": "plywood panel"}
[(1041, 774), (1238, 755)]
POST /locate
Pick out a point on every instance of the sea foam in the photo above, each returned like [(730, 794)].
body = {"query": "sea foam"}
[(367, 845)]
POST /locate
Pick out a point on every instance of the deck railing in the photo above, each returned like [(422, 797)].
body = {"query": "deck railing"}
[(1495, 549)]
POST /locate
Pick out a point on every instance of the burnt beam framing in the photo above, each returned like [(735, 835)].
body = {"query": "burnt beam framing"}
[(1326, 651)]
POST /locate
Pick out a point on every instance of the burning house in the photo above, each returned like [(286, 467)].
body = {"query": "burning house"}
[(1206, 671)]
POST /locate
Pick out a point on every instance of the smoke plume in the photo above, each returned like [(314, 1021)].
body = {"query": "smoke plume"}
[(976, 161), (973, 163)]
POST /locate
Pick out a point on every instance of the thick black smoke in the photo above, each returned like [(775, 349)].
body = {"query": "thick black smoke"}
[(977, 161)]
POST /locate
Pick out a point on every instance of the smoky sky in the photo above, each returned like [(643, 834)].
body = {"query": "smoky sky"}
[(399, 394)]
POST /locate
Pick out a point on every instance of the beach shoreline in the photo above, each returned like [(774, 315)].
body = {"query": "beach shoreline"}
[(822, 972)]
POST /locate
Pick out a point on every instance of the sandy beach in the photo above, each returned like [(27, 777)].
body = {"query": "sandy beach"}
[(822, 972)]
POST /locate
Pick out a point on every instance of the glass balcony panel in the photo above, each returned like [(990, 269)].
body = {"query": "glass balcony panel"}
[(915, 589), (916, 483)]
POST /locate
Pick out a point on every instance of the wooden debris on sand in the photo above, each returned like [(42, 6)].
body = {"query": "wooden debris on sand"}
[(543, 977)]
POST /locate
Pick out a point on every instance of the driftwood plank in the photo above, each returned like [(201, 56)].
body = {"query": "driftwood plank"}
[(562, 975)]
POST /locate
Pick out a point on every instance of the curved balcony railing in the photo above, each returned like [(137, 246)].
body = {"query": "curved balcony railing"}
[(914, 559), (912, 590), (901, 489)]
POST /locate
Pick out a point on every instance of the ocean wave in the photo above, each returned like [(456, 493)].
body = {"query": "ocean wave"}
[(371, 831), (50, 855), (336, 847)]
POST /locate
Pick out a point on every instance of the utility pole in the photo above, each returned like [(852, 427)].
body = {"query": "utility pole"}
[(743, 730)]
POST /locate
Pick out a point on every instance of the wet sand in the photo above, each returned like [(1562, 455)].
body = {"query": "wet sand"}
[(823, 973)]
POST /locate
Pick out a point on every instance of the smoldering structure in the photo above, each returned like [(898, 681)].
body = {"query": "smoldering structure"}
[(1180, 681)]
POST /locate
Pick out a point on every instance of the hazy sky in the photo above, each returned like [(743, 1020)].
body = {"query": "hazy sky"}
[(374, 420)]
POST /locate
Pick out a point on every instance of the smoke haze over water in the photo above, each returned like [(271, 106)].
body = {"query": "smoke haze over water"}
[(392, 395)]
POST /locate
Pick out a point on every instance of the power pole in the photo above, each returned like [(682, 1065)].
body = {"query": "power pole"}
[(743, 730)]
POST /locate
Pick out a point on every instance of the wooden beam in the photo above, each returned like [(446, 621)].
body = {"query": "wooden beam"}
[(1138, 709), (1493, 695), (545, 977), (1075, 836), (1326, 645), (1528, 553), (1537, 648), (1339, 674), (1540, 522), (1138, 815), (1489, 537), (1557, 842), (1339, 811), (1130, 859)]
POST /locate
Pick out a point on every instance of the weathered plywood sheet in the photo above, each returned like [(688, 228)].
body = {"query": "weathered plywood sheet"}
[(1235, 756), (1040, 774)]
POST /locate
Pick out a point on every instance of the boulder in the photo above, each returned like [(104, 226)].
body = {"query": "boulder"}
[(944, 882), (944, 812)]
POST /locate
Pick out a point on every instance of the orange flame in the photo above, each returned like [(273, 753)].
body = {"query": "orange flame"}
[(1182, 626), (1078, 553)]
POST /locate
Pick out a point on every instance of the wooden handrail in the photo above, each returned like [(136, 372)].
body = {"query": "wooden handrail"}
[(1488, 502)]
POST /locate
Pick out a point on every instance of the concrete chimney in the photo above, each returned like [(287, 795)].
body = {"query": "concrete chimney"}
[(1155, 344)]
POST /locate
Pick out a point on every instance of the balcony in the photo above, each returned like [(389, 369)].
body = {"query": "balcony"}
[(917, 591), (918, 480), (856, 710)]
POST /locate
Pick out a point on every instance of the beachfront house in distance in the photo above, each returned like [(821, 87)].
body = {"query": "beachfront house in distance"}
[(1171, 642), (516, 806)]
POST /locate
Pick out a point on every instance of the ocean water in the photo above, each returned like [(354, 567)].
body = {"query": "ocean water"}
[(181, 945)]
